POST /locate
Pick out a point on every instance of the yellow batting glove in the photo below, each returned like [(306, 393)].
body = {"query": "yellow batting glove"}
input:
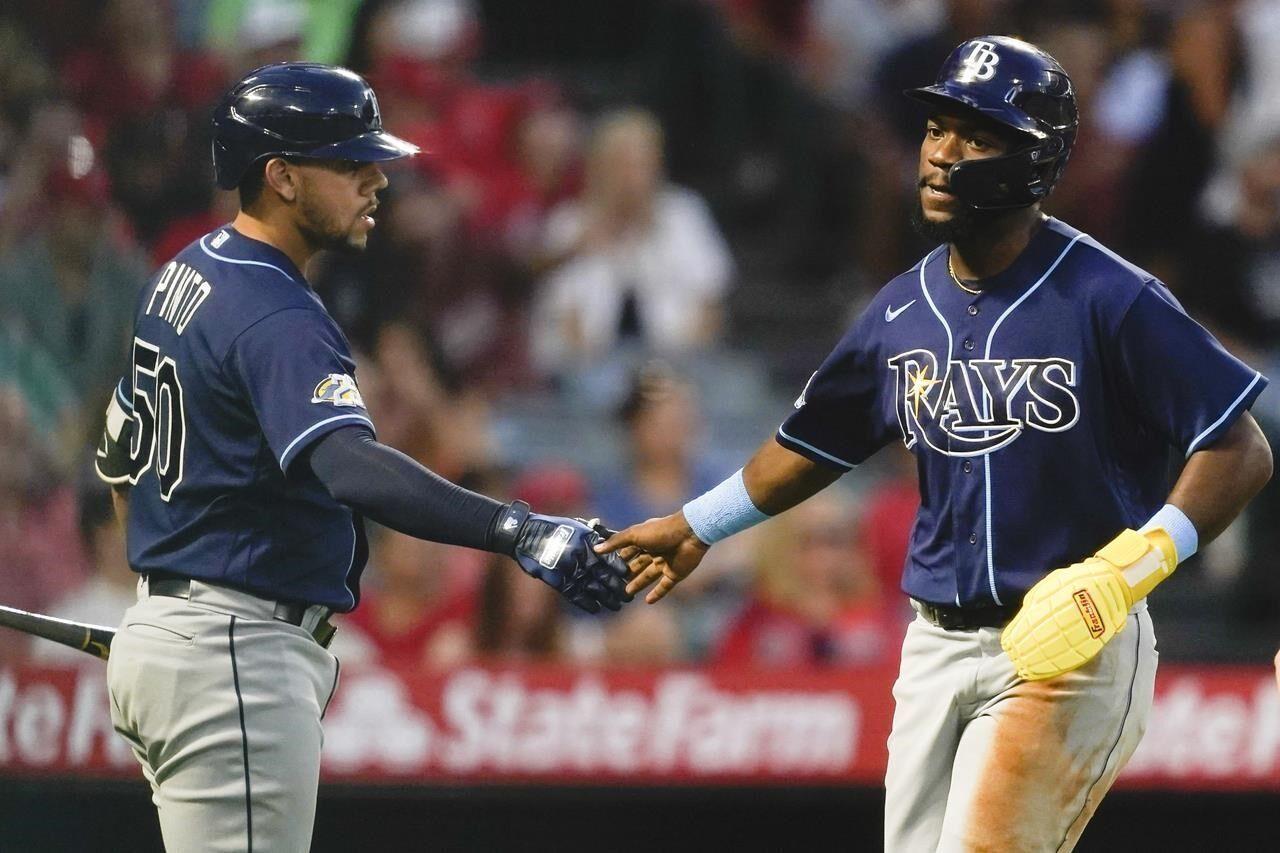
[(1071, 613)]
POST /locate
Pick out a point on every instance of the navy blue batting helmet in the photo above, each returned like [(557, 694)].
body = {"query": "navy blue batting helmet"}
[(1018, 85), (299, 109)]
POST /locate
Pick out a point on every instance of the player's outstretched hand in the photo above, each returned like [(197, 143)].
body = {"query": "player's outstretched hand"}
[(664, 550), (558, 551)]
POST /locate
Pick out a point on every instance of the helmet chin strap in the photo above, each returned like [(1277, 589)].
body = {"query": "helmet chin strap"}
[(1002, 183)]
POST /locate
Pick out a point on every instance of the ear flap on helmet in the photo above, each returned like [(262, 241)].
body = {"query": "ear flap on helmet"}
[(1018, 179)]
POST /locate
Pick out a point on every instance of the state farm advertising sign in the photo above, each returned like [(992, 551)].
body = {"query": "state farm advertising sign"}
[(1210, 728), (574, 726)]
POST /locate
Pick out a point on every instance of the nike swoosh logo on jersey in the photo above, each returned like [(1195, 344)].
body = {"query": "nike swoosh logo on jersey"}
[(891, 313)]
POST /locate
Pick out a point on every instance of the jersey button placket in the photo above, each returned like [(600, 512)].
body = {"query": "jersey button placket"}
[(973, 310), (968, 344), (966, 466)]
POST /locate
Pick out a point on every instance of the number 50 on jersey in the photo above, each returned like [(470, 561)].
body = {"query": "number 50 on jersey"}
[(159, 420)]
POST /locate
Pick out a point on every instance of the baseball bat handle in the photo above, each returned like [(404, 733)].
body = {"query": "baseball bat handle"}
[(91, 639)]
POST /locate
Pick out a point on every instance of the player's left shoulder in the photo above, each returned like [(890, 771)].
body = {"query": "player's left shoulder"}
[(1094, 272)]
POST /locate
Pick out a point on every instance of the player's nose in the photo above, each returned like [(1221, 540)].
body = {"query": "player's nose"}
[(943, 152)]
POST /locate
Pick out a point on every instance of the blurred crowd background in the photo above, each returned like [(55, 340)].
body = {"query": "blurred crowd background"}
[(639, 227)]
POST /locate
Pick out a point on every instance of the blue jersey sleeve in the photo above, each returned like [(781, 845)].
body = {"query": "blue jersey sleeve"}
[(840, 415), (298, 374), (1180, 380)]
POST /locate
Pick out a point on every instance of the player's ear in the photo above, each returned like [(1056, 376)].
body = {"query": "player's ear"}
[(281, 176)]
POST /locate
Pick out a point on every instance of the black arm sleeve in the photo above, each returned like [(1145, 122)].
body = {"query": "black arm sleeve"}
[(383, 484)]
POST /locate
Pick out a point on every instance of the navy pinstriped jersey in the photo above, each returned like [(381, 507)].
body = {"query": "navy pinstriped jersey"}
[(236, 369), (1041, 411)]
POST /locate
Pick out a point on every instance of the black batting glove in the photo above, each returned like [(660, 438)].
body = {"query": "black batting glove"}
[(559, 552)]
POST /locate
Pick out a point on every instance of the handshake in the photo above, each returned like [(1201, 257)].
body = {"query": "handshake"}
[(560, 552), (571, 555)]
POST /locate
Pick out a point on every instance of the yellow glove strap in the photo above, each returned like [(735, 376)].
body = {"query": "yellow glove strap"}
[(1143, 560)]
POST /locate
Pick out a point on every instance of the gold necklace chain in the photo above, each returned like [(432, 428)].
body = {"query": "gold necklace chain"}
[(957, 280)]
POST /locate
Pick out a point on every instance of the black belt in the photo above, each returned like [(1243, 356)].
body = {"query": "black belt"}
[(965, 618), (292, 612)]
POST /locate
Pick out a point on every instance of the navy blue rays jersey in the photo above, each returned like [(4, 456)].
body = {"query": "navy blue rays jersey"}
[(1042, 411), (236, 369)]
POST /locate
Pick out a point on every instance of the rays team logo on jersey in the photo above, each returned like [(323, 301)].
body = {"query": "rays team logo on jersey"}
[(980, 64), (338, 389), (974, 407)]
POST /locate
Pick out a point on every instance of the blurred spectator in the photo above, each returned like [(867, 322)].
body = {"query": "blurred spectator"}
[(417, 601), (663, 471), (538, 171), (815, 601), (52, 401), (70, 284), (130, 66), (1122, 83), (1093, 199), (418, 412), (25, 79), (250, 33), (49, 138), (1233, 262), (662, 422), (110, 587), (162, 176), (445, 33), (849, 38), (42, 557), (1251, 113), (639, 259), (1204, 56)]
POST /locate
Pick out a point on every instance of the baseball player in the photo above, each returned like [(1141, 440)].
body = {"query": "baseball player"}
[(1041, 382), (250, 462)]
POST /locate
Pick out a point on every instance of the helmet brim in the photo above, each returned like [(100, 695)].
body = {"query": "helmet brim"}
[(374, 147), (948, 94)]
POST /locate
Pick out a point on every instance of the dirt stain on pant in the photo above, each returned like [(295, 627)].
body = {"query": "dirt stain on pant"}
[(1033, 783)]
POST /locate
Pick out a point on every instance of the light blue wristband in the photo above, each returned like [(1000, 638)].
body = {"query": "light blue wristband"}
[(723, 511), (1180, 529)]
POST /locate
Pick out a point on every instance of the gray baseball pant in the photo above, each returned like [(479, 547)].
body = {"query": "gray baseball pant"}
[(980, 760), (222, 704)]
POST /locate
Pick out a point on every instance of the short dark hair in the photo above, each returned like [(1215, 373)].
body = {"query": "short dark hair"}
[(251, 183)]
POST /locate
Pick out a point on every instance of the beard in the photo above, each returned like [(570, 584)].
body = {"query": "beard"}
[(962, 225), (324, 231)]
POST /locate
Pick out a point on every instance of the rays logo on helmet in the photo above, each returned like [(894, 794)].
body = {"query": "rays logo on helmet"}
[(338, 389), (980, 64)]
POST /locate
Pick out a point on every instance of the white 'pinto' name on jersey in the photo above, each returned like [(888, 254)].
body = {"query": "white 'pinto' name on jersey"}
[(184, 289)]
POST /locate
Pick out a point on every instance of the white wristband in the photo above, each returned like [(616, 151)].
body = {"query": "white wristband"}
[(723, 511), (1180, 529)]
